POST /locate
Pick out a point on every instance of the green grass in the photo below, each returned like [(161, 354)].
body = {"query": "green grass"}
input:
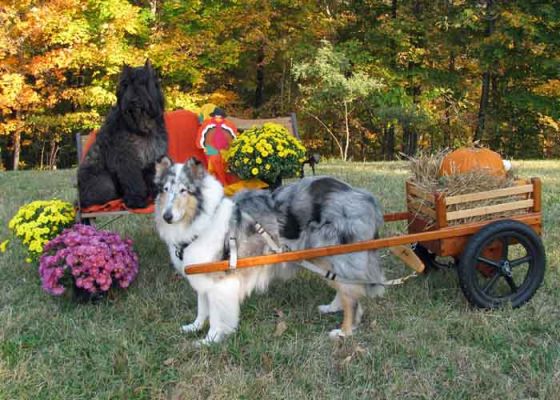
[(421, 341)]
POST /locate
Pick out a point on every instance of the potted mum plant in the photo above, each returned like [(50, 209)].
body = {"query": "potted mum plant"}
[(88, 260), (268, 153), (39, 221)]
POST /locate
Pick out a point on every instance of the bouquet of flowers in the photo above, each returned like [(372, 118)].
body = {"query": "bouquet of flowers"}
[(91, 259), (266, 153), (39, 221)]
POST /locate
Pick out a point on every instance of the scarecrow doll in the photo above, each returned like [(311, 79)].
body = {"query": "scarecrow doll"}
[(214, 136)]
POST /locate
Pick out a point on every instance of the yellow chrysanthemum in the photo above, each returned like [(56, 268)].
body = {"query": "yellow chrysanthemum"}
[(255, 171), (4, 246), (39, 221)]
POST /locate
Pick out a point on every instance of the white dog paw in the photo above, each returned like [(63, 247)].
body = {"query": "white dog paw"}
[(327, 309), (190, 328), (336, 334), (202, 343), (210, 339), (324, 308)]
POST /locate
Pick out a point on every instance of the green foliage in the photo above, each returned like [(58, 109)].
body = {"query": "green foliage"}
[(367, 78)]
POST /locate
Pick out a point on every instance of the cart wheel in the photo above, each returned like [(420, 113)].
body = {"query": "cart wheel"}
[(503, 263)]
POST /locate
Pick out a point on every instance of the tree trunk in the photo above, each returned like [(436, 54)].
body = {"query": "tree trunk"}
[(347, 133), (282, 82), (389, 143), (447, 139), (486, 76), (53, 154), (259, 91), (483, 107), (17, 149), (496, 140)]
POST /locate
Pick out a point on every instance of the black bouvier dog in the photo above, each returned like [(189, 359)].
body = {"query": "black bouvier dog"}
[(121, 161)]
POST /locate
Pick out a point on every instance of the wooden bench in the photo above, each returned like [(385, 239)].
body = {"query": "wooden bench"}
[(289, 122)]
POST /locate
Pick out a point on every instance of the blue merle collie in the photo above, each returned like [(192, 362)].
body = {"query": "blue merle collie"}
[(121, 161), (195, 220)]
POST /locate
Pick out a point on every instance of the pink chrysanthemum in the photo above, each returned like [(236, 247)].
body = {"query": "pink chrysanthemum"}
[(95, 259)]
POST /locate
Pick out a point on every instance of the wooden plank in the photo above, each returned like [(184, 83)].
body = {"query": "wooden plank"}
[(244, 124), (416, 191), (408, 257), (416, 205), (537, 194), (417, 224), (105, 214), (441, 209), (491, 194), (400, 216), (478, 211), (449, 232)]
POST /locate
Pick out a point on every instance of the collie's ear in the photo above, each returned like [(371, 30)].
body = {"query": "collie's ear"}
[(194, 169), (162, 165)]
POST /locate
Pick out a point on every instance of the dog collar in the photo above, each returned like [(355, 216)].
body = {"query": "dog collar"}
[(180, 248)]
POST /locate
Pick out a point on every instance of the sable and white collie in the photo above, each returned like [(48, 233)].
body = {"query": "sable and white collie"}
[(196, 220)]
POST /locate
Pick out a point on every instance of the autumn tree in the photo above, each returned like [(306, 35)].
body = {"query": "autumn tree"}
[(331, 89), (58, 64)]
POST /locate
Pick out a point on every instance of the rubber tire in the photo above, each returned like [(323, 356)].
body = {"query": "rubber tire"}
[(467, 270)]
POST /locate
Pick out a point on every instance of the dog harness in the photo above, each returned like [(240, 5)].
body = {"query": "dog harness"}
[(329, 275), (180, 247)]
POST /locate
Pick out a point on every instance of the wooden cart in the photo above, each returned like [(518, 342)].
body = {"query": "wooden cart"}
[(500, 260)]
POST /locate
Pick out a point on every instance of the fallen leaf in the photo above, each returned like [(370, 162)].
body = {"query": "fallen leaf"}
[(281, 327), (346, 361)]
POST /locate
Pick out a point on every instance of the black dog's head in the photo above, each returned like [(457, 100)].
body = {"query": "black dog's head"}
[(139, 96)]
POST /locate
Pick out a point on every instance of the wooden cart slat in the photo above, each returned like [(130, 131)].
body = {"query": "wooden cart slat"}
[(532, 219), (417, 205), (477, 211), (492, 194), (416, 191)]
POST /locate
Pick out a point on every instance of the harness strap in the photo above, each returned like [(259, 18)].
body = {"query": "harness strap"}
[(329, 275), (232, 253), (180, 248)]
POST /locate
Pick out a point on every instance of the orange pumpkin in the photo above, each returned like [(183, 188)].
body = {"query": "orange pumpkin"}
[(467, 159)]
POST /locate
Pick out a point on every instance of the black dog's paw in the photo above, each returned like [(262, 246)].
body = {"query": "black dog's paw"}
[(135, 201)]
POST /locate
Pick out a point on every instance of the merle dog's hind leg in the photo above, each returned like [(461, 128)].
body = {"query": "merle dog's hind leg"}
[(95, 187), (334, 306)]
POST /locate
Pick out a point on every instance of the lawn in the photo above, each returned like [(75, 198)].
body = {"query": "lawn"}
[(421, 341)]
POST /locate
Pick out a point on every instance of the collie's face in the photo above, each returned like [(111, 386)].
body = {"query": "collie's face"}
[(179, 190)]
